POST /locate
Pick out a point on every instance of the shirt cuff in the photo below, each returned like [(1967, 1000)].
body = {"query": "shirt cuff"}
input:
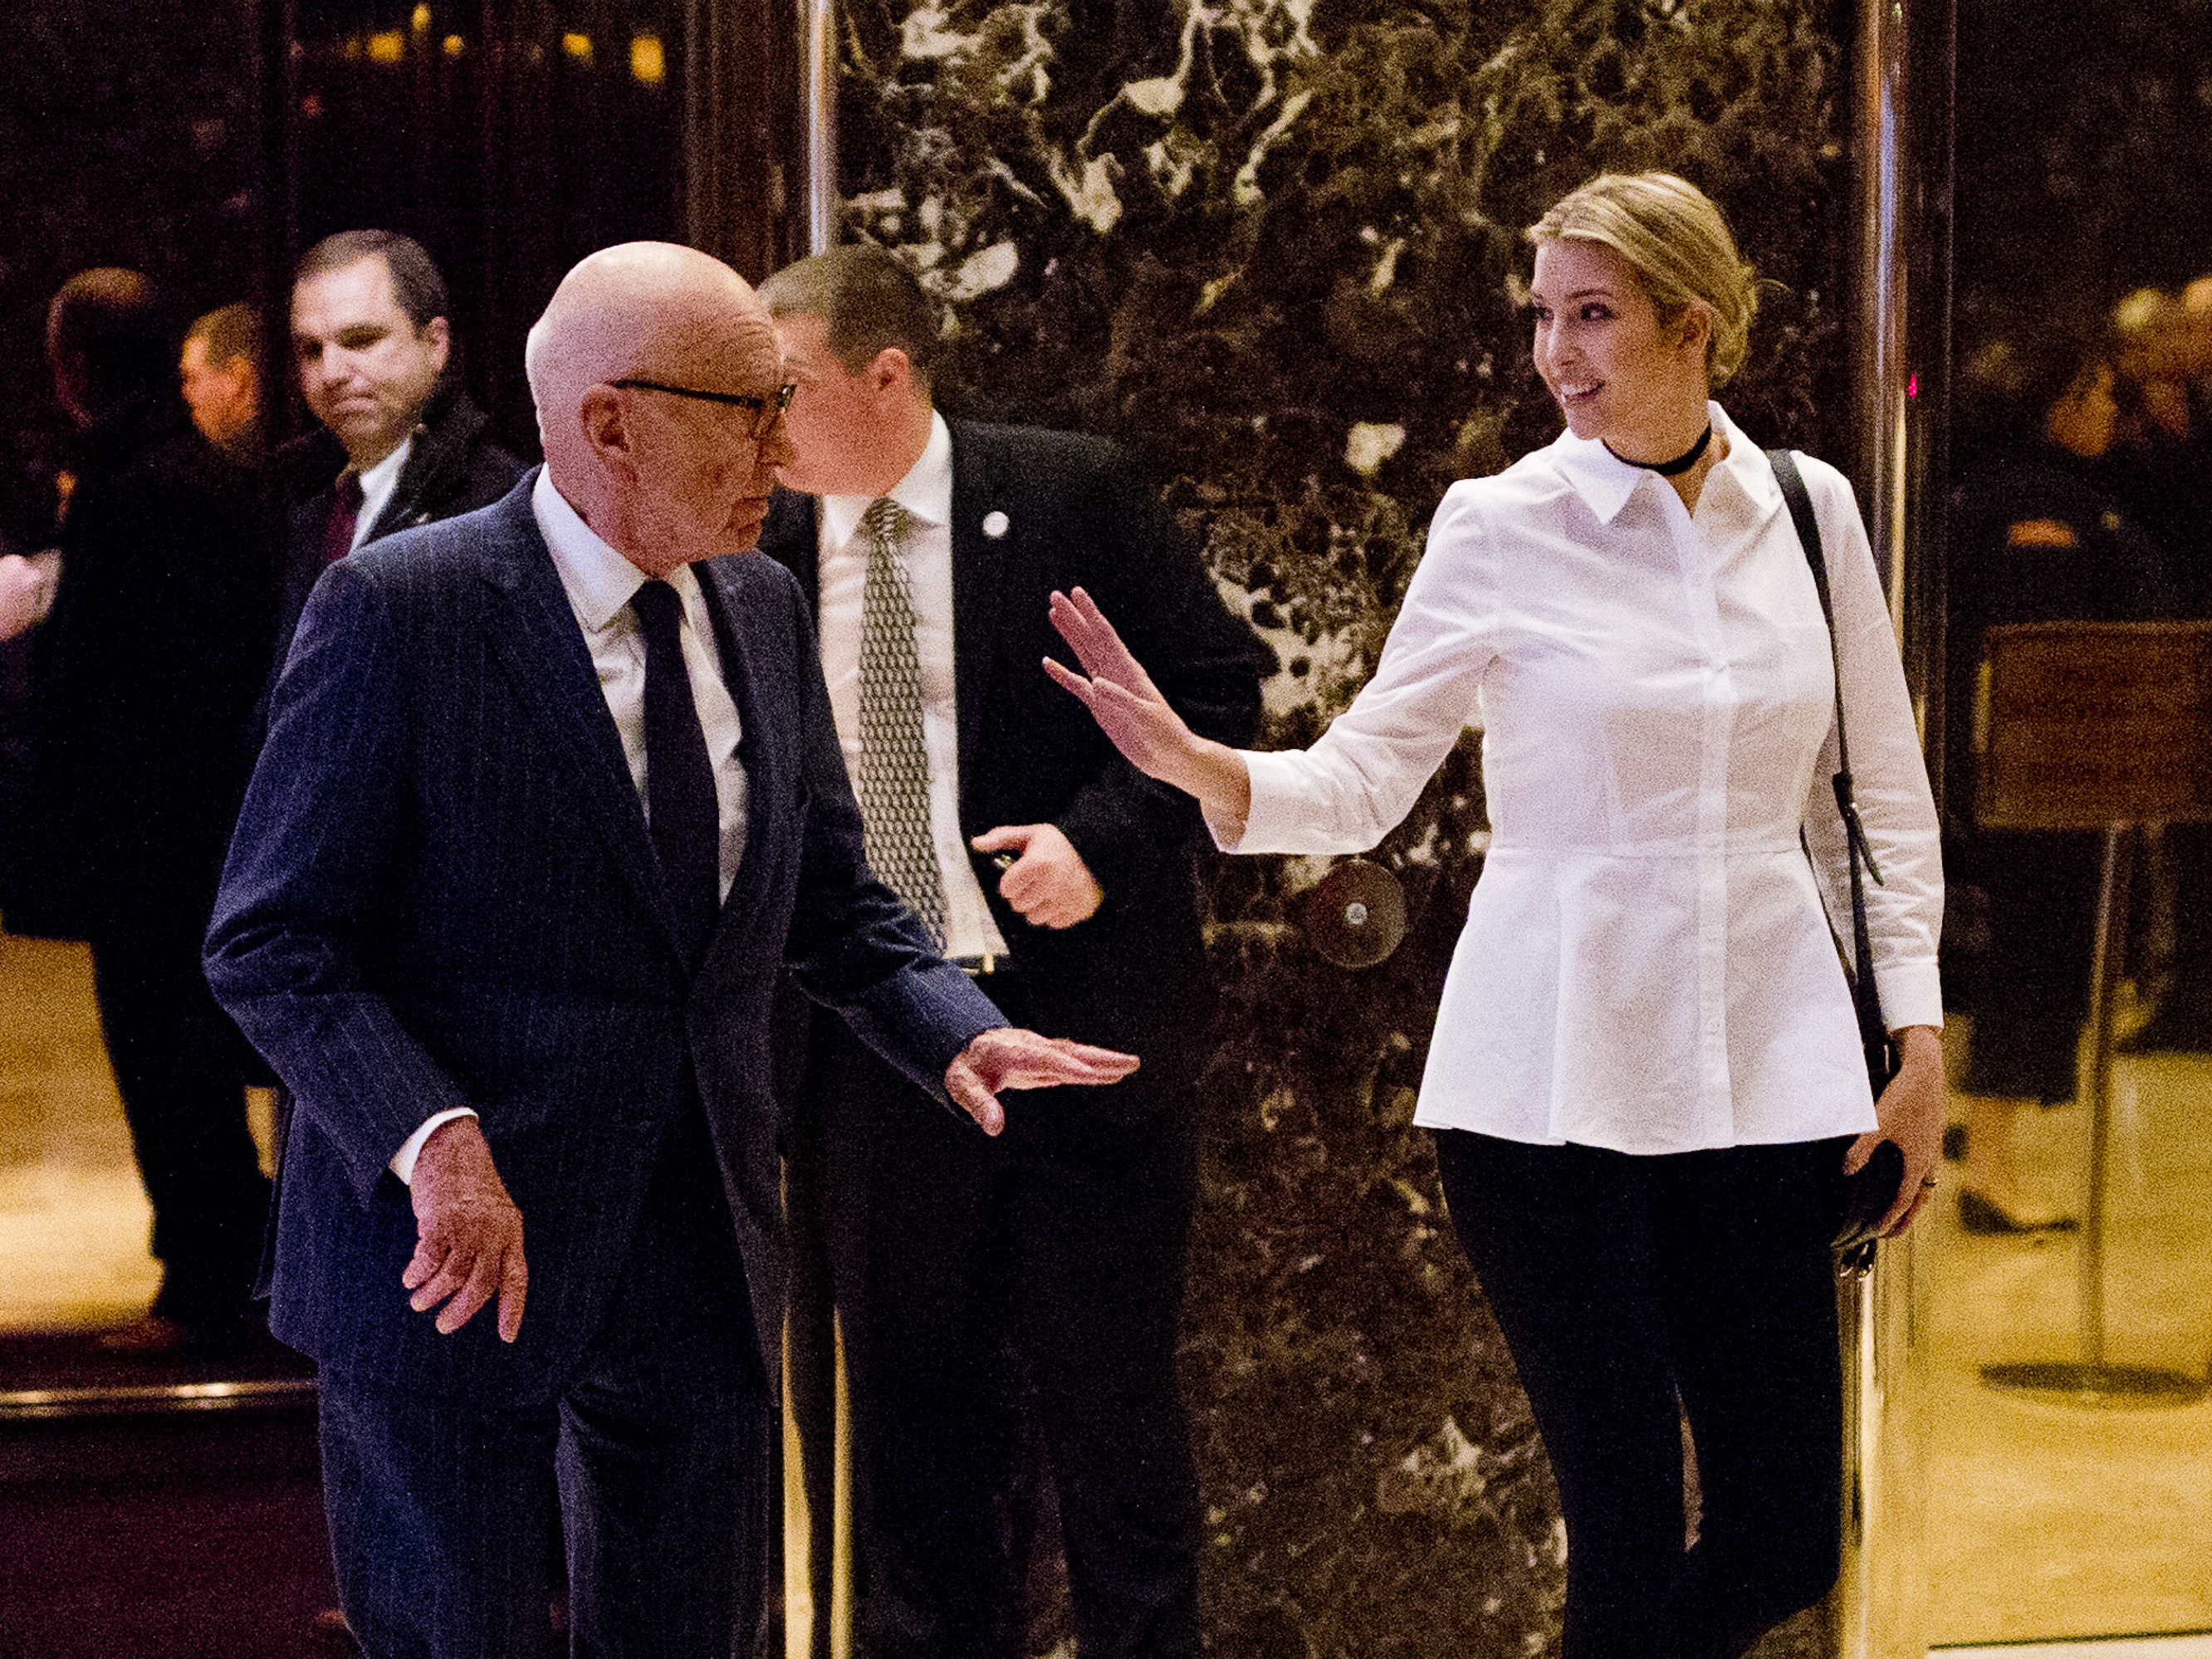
[(403, 1161), (1910, 996), (1274, 802)]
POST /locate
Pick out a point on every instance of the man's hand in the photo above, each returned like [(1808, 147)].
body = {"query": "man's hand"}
[(26, 591), (468, 1233), (1047, 882), (1007, 1057)]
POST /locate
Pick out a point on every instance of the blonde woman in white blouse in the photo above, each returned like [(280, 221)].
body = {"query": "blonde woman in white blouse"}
[(1646, 1083)]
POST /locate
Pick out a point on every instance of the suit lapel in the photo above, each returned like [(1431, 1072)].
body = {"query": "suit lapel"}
[(793, 538), (979, 560), (764, 785), (536, 636)]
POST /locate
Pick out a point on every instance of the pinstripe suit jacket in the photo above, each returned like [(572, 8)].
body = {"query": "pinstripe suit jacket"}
[(441, 893)]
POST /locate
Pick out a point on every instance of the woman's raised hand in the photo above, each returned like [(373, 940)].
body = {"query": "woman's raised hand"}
[(1137, 719), (1119, 693)]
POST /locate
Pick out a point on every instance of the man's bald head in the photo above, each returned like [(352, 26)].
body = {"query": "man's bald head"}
[(643, 465), (642, 310)]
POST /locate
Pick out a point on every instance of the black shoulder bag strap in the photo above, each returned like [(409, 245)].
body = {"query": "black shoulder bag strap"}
[(1874, 1036)]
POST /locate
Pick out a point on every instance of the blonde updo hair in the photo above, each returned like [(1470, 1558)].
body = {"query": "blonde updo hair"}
[(1675, 241)]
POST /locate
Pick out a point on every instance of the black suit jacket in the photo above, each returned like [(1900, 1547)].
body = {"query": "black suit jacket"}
[(142, 679), (455, 467), (1133, 976), (442, 893)]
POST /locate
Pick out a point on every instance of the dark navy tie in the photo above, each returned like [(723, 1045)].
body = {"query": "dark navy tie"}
[(680, 808)]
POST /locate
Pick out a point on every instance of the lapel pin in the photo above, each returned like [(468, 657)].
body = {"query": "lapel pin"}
[(996, 524)]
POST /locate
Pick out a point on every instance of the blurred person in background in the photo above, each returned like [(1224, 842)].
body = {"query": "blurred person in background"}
[(399, 443), (2153, 465), (220, 369), (2196, 347), (2161, 473), (145, 663), (2038, 537)]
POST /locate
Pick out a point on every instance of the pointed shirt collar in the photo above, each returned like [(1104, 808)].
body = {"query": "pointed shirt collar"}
[(925, 492), (1605, 482), (599, 580)]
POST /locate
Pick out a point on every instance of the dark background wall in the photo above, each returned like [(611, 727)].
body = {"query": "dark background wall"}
[(127, 137), (2084, 151), (510, 136)]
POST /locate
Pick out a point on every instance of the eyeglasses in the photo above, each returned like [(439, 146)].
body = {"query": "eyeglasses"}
[(767, 410)]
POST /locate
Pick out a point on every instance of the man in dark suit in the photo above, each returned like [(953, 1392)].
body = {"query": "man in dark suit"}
[(549, 798), (399, 443), (143, 673), (220, 369), (1067, 879)]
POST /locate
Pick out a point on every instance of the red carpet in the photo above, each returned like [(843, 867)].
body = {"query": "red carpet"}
[(190, 1535)]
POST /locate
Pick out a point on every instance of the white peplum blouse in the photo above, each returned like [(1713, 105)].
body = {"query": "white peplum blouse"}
[(1646, 964)]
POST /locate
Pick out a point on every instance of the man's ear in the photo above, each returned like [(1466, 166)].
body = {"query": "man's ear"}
[(605, 427), (892, 371), (440, 339), (73, 382)]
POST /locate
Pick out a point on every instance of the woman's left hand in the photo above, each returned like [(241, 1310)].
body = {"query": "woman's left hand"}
[(1911, 1113)]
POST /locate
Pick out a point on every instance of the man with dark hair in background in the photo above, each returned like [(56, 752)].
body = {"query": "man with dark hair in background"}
[(1065, 881), (400, 444), (220, 370), (143, 673)]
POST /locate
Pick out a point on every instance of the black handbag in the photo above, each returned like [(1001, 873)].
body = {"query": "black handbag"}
[(1868, 1194)]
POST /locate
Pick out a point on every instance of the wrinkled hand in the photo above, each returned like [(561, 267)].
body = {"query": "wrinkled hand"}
[(468, 1244), (26, 590), (1911, 1113), (1048, 883), (1007, 1057)]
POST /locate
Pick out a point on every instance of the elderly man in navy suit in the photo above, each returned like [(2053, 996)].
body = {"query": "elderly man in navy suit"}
[(551, 797)]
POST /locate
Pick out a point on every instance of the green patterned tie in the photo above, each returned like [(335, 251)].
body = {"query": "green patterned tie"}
[(894, 780)]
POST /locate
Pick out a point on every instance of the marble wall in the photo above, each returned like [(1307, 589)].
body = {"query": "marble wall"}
[(1269, 243)]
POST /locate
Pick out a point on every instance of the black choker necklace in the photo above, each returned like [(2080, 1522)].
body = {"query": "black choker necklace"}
[(1680, 465)]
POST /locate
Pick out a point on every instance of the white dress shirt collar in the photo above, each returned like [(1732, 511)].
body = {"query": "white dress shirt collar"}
[(377, 484), (599, 580), (1605, 482), (925, 492)]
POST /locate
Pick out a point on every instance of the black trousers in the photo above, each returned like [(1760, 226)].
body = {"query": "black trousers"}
[(2185, 1008), (445, 1514), (2035, 990), (1634, 1293), (1051, 1256), (180, 1067)]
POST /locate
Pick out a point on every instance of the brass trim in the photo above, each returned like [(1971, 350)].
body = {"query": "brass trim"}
[(154, 1399)]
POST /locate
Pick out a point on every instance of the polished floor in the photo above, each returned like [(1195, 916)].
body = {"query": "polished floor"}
[(2060, 1520), (73, 1217), (2045, 1521), (2138, 1647), (74, 1220)]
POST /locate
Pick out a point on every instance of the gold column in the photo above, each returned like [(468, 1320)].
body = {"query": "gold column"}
[(1879, 1607), (1899, 276), (818, 70)]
